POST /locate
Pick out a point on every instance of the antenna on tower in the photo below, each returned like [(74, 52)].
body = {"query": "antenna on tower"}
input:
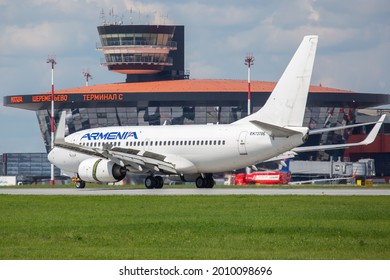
[(102, 17), (163, 18), (111, 15), (87, 76), (131, 15)]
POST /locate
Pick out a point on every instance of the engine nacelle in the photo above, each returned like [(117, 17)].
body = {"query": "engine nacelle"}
[(97, 170)]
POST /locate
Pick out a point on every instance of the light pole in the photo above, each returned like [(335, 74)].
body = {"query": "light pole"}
[(51, 59), (87, 76), (249, 61)]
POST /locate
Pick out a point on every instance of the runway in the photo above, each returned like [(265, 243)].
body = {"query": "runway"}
[(195, 191)]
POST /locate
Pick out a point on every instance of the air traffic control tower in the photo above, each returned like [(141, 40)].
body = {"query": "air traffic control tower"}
[(143, 52)]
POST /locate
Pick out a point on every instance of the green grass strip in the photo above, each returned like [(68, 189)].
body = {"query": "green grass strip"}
[(194, 227)]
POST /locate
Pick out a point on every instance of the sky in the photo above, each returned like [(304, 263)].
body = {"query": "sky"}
[(353, 51)]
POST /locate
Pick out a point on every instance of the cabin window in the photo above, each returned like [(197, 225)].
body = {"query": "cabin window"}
[(165, 143), (223, 142)]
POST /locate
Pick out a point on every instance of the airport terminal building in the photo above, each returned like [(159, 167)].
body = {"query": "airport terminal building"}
[(158, 90)]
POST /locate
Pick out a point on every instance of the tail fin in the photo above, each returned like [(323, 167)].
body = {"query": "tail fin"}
[(287, 102)]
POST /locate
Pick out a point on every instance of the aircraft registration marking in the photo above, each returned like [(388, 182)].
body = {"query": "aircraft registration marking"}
[(257, 133)]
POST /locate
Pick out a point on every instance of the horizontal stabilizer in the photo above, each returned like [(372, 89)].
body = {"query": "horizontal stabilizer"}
[(274, 130)]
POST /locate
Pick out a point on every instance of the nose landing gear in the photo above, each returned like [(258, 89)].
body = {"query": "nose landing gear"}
[(80, 184)]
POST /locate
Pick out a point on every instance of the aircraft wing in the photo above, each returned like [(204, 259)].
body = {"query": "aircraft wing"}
[(328, 129), (369, 139), (141, 161)]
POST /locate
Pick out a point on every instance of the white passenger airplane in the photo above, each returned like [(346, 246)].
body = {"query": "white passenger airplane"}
[(194, 152)]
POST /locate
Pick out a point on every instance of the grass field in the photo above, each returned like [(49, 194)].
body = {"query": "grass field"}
[(194, 227)]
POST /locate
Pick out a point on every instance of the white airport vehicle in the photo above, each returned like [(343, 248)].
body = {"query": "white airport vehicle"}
[(8, 181), (195, 152)]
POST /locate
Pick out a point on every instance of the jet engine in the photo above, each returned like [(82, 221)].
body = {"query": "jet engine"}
[(97, 170)]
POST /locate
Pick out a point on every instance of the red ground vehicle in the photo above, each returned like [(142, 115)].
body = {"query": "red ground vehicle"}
[(263, 178)]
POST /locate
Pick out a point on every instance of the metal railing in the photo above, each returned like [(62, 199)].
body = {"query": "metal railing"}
[(123, 58), (135, 43)]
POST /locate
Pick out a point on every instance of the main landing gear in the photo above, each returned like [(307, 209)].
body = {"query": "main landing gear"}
[(154, 182), (205, 182)]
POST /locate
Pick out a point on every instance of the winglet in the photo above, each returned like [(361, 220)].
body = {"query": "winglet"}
[(60, 131), (374, 131)]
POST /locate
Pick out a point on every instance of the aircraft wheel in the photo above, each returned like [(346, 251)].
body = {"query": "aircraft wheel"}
[(80, 184), (159, 182), (209, 182), (200, 182), (150, 182)]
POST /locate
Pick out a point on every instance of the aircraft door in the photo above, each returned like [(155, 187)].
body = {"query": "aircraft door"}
[(242, 143)]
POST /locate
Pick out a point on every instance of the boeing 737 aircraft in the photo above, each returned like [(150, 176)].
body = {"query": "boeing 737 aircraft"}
[(195, 152)]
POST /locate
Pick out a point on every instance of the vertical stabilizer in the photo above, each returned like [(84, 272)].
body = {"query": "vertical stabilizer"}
[(287, 102)]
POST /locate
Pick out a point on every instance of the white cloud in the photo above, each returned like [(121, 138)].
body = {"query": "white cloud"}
[(19, 40)]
